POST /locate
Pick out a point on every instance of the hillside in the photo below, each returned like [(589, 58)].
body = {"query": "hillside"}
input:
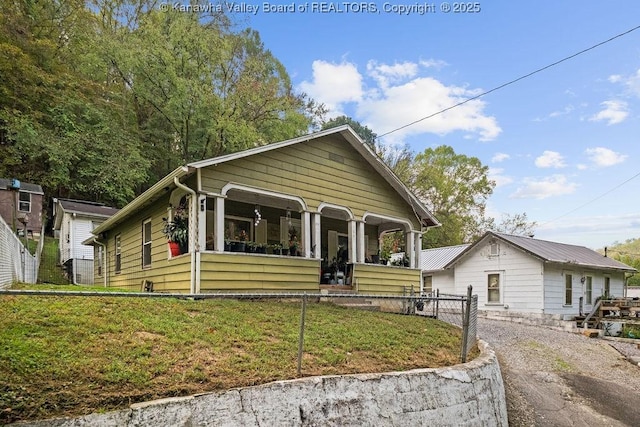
[(628, 253)]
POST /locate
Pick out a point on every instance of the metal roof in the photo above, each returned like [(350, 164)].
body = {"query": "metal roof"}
[(88, 208), (24, 186), (553, 252), (437, 258)]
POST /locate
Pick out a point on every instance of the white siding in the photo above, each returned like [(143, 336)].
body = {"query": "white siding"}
[(82, 228), (554, 283), (520, 273), (65, 239), (444, 281)]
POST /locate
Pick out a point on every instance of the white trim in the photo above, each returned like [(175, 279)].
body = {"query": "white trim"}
[(388, 218), (323, 205), (262, 191)]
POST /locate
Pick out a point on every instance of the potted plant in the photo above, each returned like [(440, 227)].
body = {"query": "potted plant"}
[(293, 241), (278, 249), (240, 244), (177, 232)]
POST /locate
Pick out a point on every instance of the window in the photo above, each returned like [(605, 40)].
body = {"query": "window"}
[(607, 287), (589, 290), (118, 260), (146, 243), (99, 261), (493, 288), (25, 202), (568, 289), (428, 283), (494, 249)]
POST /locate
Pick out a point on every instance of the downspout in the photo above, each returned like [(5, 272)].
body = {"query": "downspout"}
[(192, 238), (104, 260)]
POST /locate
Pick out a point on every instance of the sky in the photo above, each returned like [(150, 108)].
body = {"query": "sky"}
[(562, 145)]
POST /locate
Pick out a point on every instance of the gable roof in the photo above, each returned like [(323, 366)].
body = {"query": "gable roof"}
[(551, 252), (24, 186), (85, 208), (422, 213), (436, 259)]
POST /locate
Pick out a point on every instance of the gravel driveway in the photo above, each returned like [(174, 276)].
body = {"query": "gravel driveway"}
[(555, 378)]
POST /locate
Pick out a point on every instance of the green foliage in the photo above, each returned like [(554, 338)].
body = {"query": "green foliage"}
[(627, 253), (100, 99), (455, 187), (363, 132)]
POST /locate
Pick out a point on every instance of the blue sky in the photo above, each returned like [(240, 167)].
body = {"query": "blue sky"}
[(555, 142)]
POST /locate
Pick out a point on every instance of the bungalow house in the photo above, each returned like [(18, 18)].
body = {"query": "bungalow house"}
[(74, 221), (324, 199), (517, 274), (21, 205)]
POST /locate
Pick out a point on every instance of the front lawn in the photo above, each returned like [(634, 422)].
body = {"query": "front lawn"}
[(64, 355)]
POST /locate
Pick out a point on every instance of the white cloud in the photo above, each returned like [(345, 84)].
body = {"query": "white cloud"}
[(632, 82), (433, 63), (567, 110), (550, 159), (614, 112), (499, 157), (604, 157), (334, 84), (496, 174), (386, 74), (393, 95), (555, 185)]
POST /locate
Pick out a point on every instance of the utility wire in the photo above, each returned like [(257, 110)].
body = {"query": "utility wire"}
[(511, 82), (592, 200)]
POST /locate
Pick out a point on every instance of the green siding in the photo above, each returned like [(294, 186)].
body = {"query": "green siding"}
[(167, 275), (239, 272), (382, 279), (306, 170)]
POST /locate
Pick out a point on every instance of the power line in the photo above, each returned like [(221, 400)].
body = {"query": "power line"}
[(511, 82), (592, 200)]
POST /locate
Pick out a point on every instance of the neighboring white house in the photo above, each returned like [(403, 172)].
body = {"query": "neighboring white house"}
[(74, 220), (517, 274), (433, 263)]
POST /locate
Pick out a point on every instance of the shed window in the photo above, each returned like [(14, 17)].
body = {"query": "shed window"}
[(568, 289), (146, 243), (428, 283), (118, 260), (25, 202), (493, 288)]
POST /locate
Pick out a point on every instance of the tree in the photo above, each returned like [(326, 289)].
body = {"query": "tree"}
[(363, 131), (455, 188), (517, 224)]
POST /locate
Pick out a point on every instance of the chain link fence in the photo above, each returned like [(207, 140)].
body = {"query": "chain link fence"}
[(458, 310)]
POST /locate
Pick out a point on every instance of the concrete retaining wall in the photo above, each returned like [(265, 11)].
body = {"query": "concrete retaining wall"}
[(470, 394)]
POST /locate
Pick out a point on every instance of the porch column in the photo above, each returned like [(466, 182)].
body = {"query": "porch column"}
[(418, 237), (317, 236), (411, 248), (305, 220), (202, 222), (352, 241), (218, 224), (360, 244)]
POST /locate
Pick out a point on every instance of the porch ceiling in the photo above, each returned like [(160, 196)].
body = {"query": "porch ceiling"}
[(247, 196)]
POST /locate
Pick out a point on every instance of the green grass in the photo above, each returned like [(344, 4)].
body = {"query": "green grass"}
[(50, 271), (77, 355)]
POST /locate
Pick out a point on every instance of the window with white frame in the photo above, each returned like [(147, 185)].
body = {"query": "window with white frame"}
[(607, 287), (493, 288), (118, 254), (588, 291), (494, 249), (25, 202), (146, 243), (568, 289)]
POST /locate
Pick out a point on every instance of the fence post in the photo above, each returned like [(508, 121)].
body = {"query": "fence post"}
[(301, 335), (437, 302), (465, 325)]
